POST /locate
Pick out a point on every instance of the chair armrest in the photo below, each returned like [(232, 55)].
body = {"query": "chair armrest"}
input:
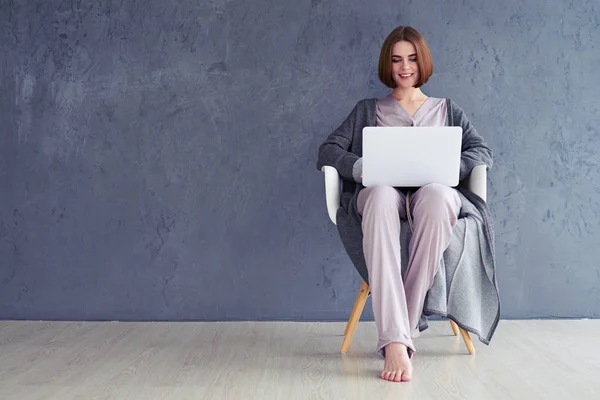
[(332, 191), (477, 181)]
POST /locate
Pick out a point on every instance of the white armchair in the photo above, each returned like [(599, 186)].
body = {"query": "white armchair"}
[(476, 182)]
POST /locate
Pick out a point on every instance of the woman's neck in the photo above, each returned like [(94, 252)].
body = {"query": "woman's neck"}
[(408, 94)]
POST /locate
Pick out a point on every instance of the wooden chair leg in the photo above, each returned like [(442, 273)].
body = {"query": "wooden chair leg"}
[(356, 302), (454, 328), (359, 305), (467, 339)]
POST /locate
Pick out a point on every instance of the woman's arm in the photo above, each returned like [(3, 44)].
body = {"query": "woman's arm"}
[(334, 151), (474, 149)]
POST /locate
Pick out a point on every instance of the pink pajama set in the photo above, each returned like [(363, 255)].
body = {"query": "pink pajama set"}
[(398, 300)]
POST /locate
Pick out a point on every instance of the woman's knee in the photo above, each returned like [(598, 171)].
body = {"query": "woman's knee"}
[(435, 190), (437, 200), (382, 195)]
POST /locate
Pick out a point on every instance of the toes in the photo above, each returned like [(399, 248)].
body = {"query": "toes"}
[(393, 376), (387, 375)]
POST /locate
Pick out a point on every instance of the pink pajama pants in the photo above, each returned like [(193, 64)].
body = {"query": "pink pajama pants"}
[(398, 300)]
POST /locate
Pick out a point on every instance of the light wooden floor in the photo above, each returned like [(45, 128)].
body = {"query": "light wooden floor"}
[(268, 360)]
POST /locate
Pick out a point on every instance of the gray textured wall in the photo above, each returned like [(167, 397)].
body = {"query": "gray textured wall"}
[(157, 159)]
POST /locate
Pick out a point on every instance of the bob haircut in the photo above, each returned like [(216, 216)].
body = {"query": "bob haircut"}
[(424, 60)]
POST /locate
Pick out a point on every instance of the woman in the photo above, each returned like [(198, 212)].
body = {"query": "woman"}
[(405, 65)]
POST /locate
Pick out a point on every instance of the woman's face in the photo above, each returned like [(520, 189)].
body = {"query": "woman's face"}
[(405, 69)]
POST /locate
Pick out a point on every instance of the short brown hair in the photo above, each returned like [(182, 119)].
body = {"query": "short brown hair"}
[(424, 60)]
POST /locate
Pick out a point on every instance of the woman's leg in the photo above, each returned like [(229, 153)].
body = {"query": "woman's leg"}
[(434, 210), (381, 208)]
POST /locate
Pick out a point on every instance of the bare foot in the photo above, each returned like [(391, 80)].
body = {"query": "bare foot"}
[(397, 367)]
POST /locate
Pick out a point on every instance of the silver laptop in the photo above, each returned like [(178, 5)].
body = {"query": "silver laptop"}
[(411, 156)]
